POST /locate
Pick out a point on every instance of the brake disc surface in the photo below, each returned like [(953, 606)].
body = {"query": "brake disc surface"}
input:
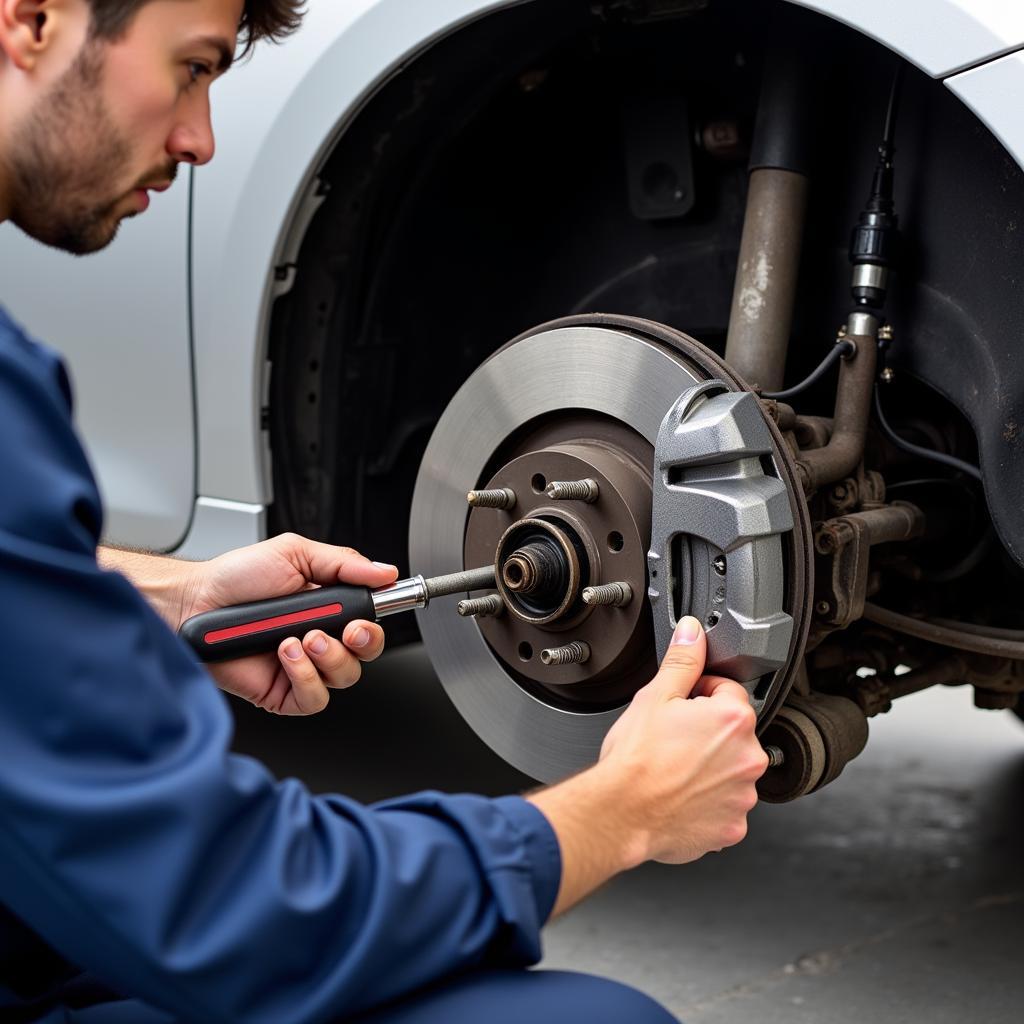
[(721, 547)]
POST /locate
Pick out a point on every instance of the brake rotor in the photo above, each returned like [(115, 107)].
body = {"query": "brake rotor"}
[(663, 433)]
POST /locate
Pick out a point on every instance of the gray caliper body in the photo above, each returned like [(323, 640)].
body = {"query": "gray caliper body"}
[(718, 520)]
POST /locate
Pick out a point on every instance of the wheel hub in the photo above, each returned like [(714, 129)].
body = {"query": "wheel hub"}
[(562, 425), (592, 542)]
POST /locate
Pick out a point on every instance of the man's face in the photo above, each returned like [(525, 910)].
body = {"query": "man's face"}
[(95, 139)]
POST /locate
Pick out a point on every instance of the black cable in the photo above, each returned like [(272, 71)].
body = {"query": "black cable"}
[(840, 349), (915, 449), (947, 481), (893, 107), (964, 636)]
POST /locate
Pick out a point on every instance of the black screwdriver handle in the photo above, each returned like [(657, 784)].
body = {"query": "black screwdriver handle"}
[(244, 629)]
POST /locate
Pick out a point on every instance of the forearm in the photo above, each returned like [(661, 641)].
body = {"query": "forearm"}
[(589, 815), (166, 583)]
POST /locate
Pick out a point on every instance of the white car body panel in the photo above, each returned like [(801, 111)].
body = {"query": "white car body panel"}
[(276, 118), (995, 92), (121, 320)]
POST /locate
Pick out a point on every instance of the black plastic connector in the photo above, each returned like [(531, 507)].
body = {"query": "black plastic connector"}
[(875, 237)]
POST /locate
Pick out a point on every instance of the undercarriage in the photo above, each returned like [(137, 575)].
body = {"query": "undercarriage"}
[(781, 429)]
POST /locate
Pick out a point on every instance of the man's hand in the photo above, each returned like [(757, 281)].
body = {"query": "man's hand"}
[(675, 780), (295, 680)]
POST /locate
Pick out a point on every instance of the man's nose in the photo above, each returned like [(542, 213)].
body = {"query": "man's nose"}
[(191, 141)]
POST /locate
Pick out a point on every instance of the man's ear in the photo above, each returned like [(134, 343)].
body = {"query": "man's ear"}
[(28, 28)]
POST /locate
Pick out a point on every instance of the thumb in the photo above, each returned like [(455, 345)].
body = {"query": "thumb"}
[(683, 663)]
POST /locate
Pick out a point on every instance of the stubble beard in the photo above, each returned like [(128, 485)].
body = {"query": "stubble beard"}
[(64, 161)]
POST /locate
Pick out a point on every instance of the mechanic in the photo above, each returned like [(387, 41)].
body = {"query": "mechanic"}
[(149, 874)]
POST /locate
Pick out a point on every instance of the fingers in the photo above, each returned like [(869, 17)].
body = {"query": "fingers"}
[(308, 693), (683, 663), (327, 563), (339, 664), (364, 639), (710, 686)]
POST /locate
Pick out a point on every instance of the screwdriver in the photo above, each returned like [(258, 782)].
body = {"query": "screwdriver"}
[(259, 626)]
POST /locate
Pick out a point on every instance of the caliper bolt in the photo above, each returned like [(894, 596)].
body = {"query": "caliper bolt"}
[(573, 490), (497, 497), (575, 653), (482, 607), (615, 595), (776, 756), (719, 564)]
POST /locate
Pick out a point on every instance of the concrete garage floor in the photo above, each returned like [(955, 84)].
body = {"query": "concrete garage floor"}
[(895, 895)]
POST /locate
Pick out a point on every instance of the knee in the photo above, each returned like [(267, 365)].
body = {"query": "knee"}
[(603, 1001), (512, 997)]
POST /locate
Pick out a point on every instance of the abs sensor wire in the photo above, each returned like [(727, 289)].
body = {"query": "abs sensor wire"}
[(839, 350), (915, 449)]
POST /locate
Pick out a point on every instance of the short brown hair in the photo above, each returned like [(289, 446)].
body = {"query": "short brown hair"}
[(261, 19)]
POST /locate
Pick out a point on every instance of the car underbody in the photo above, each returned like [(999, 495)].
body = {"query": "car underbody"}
[(669, 190)]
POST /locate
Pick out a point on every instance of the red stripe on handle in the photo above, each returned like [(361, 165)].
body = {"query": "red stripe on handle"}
[(262, 625)]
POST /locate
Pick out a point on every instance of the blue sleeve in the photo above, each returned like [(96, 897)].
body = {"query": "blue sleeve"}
[(133, 841)]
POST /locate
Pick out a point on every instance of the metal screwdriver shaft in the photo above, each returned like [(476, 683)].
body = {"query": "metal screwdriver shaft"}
[(457, 582)]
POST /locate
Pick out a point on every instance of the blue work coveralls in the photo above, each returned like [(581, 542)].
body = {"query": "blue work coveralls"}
[(148, 874)]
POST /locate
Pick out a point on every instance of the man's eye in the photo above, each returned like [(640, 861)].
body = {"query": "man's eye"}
[(196, 70)]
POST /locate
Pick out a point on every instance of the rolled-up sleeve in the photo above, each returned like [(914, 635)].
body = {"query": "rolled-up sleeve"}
[(138, 846)]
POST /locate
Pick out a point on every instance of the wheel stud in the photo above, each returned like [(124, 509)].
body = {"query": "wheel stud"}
[(615, 595), (573, 490), (481, 607), (497, 497), (575, 653)]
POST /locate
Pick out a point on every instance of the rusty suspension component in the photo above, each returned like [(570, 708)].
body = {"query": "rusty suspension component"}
[(847, 541), (818, 736), (762, 303), (845, 448), (769, 259)]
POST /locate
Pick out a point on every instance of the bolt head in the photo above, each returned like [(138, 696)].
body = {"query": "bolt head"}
[(888, 375)]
